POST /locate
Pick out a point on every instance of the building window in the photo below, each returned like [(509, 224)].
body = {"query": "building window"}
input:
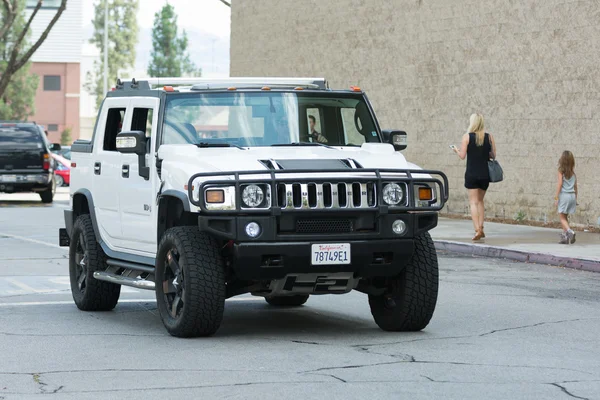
[(52, 127), (51, 82), (45, 3)]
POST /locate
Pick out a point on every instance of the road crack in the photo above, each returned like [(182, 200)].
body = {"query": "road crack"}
[(43, 387), (566, 391), (534, 325)]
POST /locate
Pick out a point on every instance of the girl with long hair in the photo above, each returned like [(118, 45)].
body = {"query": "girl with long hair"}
[(566, 195)]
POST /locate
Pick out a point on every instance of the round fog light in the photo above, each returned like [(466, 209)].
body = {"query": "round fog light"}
[(399, 227), (253, 229)]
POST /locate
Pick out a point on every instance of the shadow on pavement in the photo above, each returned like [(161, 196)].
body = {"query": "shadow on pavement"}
[(253, 319)]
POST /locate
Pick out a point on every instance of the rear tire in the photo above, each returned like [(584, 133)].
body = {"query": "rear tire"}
[(410, 300), (190, 282), (85, 257), (287, 301), (48, 195)]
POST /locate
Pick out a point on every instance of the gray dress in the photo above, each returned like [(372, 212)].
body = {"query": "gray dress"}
[(566, 199)]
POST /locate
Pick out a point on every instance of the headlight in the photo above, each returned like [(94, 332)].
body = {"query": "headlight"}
[(392, 194), (253, 196)]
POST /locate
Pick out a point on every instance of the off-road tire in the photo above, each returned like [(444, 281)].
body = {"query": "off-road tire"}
[(48, 195), (287, 301), (414, 292), (203, 282), (96, 295)]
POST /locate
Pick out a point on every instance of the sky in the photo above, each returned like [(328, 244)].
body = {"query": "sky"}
[(207, 23)]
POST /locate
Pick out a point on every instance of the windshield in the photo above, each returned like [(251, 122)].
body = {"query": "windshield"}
[(268, 118)]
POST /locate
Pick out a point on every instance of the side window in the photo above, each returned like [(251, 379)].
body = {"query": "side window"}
[(142, 120), (114, 124), (351, 133)]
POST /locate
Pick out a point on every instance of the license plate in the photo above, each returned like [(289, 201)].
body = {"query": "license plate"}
[(8, 178), (330, 254)]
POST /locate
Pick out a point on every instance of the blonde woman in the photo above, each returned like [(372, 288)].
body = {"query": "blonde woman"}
[(477, 147)]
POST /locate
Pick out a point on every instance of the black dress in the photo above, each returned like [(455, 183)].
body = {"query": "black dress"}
[(477, 175)]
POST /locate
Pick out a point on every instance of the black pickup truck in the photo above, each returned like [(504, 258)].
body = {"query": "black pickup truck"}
[(25, 161)]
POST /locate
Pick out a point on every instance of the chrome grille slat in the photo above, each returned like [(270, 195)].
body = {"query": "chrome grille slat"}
[(335, 196), (304, 196), (364, 196), (349, 196), (289, 196), (320, 196)]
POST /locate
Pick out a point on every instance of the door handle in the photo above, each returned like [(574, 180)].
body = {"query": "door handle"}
[(125, 171), (97, 168)]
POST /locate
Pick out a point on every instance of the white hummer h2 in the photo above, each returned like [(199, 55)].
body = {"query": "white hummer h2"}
[(206, 189)]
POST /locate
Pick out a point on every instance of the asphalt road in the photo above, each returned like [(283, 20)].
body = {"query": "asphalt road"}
[(502, 330)]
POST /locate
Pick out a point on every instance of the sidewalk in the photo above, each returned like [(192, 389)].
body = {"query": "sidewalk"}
[(519, 243)]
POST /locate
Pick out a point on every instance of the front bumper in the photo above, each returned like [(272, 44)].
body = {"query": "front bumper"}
[(281, 250), (370, 258)]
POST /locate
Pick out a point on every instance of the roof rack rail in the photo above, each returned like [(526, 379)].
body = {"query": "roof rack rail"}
[(220, 83)]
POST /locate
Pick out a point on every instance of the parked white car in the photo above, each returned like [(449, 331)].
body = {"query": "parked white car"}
[(205, 189)]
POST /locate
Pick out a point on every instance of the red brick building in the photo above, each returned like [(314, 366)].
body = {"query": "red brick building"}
[(57, 63)]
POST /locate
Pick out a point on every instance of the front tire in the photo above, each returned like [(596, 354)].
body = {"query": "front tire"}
[(190, 282), (287, 301), (85, 257), (410, 300)]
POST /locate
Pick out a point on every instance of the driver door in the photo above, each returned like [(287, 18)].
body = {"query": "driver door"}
[(137, 195)]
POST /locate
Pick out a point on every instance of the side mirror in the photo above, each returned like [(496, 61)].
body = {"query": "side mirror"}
[(55, 147), (398, 139), (134, 142)]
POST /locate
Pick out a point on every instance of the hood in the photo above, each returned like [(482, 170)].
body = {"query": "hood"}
[(369, 155)]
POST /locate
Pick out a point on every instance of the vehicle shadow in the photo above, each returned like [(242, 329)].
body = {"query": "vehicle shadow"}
[(255, 319), (23, 203)]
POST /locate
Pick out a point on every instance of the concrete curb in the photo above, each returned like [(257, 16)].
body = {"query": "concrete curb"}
[(517, 255)]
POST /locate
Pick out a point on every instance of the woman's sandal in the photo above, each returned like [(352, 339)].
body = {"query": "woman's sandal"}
[(478, 236)]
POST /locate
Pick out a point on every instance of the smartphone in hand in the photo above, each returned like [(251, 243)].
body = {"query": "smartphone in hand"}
[(453, 147)]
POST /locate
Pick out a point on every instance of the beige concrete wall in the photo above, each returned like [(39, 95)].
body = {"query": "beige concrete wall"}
[(531, 67)]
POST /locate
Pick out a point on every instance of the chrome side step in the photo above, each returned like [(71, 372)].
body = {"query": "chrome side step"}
[(124, 280)]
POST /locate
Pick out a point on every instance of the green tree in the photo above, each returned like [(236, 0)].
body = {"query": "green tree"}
[(170, 55), (65, 137), (17, 85), (122, 38)]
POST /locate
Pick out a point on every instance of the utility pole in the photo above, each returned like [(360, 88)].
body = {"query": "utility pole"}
[(105, 46)]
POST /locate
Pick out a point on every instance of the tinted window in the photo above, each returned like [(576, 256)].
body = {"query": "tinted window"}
[(114, 124), (20, 138), (51, 82)]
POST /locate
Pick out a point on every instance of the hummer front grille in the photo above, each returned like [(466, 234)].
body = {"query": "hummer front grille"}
[(334, 195)]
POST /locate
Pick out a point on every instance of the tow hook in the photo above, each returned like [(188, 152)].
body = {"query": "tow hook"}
[(389, 301)]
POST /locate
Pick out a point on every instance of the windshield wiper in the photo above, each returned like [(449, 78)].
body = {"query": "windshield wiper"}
[(204, 145), (301, 144)]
